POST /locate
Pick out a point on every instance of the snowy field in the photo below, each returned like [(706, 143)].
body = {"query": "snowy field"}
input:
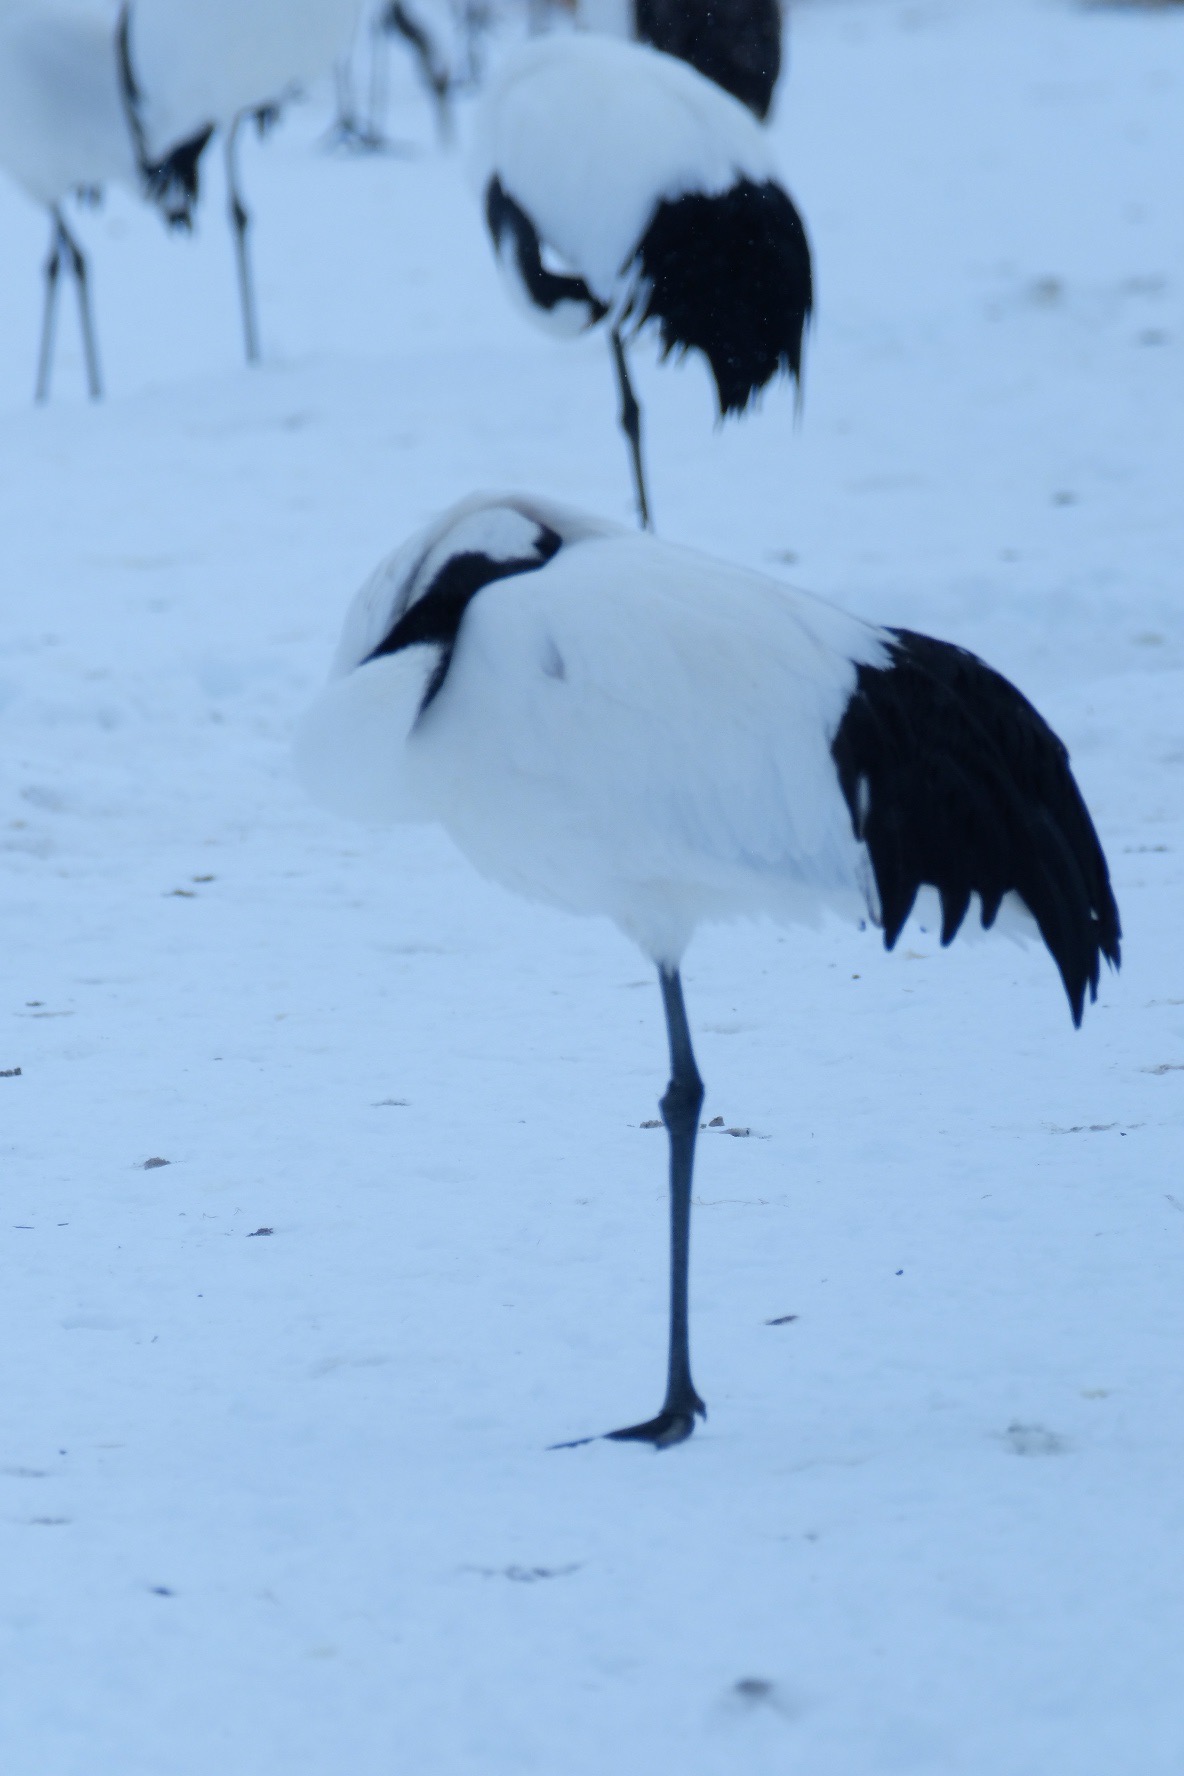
[(275, 1491)]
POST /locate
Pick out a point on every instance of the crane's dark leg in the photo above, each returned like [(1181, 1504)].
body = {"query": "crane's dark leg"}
[(53, 272), (680, 1112), (90, 350), (631, 426), (379, 69), (240, 222), (63, 246)]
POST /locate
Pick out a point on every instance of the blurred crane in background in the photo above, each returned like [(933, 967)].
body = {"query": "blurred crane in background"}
[(621, 187)]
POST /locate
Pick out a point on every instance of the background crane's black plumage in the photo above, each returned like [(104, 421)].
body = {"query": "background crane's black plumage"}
[(736, 43), (955, 781), (171, 182), (750, 327)]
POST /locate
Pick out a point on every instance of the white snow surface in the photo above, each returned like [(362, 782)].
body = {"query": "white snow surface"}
[(589, 134), (285, 1502)]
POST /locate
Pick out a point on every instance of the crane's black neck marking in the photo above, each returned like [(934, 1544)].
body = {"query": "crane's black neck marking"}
[(436, 615), (736, 43), (954, 781), (546, 289), (730, 276), (171, 183)]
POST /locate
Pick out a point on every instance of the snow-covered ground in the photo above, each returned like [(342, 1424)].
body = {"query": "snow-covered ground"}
[(280, 1501)]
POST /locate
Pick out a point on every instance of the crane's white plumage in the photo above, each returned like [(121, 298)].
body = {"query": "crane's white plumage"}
[(564, 752), (61, 121), (622, 727), (619, 124), (62, 127), (202, 62)]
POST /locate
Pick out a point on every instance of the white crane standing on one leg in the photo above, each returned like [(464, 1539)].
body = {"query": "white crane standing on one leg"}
[(619, 727), (622, 188)]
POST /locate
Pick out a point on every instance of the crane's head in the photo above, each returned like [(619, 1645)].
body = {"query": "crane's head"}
[(397, 645)]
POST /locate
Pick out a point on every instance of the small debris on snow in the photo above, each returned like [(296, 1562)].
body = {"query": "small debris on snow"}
[(390, 1103), (1046, 292), (1033, 1439), (10, 1072), (161, 1591), (1165, 1067), (782, 1320), (760, 1692), (260, 1232), (754, 1689), (203, 878), (717, 1122), (180, 894), (150, 1165), (654, 1123), (525, 1575)]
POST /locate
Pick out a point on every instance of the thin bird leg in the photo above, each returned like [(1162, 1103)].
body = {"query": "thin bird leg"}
[(90, 350), (53, 271), (631, 426), (379, 68), (63, 247), (680, 1112), (240, 222), (345, 125)]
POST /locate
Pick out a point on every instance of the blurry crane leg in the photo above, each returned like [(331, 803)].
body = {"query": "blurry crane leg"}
[(63, 245)]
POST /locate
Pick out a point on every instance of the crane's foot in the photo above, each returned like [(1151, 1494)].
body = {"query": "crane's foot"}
[(672, 1425), (349, 137)]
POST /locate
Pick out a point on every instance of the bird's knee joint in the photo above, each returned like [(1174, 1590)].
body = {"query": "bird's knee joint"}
[(682, 1102)]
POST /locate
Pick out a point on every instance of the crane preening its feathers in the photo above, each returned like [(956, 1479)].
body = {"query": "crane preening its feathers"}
[(618, 726), (622, 187)]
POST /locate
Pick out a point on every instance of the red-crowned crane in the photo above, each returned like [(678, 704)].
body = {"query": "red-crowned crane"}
[(616, 726), (63, 129), (623, 189)]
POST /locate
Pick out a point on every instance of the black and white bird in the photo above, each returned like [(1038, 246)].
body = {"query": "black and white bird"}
[(92, 92), (622, 188), (736, 43), (63, 130), (187, 69), (617, 726)]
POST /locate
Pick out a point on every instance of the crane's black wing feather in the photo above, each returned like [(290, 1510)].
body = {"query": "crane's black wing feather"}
[(955, 781), (729, 275)]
